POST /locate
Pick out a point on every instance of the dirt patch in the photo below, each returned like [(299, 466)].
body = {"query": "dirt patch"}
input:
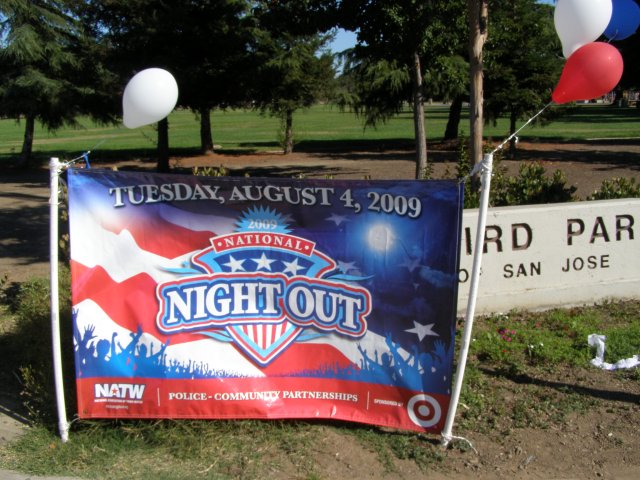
[(602, 442)]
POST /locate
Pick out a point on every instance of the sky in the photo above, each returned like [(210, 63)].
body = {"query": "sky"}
[(344, 39)]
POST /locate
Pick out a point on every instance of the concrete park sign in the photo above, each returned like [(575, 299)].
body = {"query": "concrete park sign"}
[(544, 256)]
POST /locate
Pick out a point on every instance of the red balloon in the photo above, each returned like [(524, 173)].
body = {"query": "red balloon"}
[(590, 72)]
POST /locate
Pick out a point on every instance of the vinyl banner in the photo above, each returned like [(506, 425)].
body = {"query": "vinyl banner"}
[(205, 297)]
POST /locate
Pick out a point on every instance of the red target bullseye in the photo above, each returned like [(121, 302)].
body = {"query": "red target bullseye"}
[(424, 410)]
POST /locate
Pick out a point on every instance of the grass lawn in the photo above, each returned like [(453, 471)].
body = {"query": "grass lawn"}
[(321, 127)]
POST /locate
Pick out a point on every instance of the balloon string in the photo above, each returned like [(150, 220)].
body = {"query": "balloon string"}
[(501, 146), (83, 156)]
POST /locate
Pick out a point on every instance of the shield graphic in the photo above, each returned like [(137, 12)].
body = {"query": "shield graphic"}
[(264, 342), (265, 255)]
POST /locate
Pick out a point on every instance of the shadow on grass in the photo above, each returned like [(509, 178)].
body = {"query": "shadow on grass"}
[(523, 378), (596, 114), (605, 151), (593, 153)]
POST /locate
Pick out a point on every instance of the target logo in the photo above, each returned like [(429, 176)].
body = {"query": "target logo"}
[(424, 410)]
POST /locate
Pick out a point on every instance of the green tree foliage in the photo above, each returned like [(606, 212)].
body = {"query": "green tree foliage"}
[(522, 63), (402, 48), (214, 63), (40, 66), (294, 67), (296, 75), (204, 44), (136, 34)]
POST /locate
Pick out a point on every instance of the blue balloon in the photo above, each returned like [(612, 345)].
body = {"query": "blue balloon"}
[(625, 20)]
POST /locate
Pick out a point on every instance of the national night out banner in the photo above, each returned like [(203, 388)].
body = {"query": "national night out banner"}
[(204, 297)]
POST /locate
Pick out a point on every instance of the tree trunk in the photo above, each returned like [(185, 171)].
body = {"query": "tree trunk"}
[(478, 19), (206, 140), (288, 132), (27, 142), (163, 145), (418, 119), (453, 123)]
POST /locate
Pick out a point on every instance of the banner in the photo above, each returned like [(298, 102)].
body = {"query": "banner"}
[(205, 297)]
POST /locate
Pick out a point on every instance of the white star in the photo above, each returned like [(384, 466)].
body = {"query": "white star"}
[(292, 267), (263, 262), (346, 266), (411, 264), (235, 265), (337, 219), (422, 330)]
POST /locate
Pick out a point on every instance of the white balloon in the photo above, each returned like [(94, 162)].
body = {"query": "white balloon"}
[(579, 22), (148, 97)]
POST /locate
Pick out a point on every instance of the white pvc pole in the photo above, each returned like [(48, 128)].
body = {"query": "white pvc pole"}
[(54, 175), (487, 166)]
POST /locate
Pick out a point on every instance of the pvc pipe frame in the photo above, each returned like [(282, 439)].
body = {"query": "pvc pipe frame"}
[(54, 177), (486, 168), (63, 424)]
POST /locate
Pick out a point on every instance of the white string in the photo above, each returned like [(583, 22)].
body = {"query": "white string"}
[(501, 146), (448, 438), (83, 156)]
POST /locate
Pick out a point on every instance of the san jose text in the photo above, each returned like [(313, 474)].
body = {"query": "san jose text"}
[(579, 245)]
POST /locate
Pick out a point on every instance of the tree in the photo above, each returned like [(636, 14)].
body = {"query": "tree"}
[(456, 70), (294, 67), (522, 61), (398, 44), (38, 66), (139, 34), (294, 73), (215, 65), (132, 33), (203, 43), (478, 32)]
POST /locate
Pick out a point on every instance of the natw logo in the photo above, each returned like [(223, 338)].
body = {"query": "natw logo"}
[(129, 391)]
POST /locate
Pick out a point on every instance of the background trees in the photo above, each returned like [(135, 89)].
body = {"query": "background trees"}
[(478, 11), (213, 64), (41, 66), (398, 43), (137, 34), (522, 62), (60, 59), (293, 73), (293, 68)]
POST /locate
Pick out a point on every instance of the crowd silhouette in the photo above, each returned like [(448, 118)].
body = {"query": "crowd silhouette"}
[(428, 371)]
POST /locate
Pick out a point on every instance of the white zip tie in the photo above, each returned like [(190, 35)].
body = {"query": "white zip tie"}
[(447, 439), (84, 156)]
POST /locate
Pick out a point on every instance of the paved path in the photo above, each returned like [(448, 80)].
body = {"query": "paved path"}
[(24, 216)]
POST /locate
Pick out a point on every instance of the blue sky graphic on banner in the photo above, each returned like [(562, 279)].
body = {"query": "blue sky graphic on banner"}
[(208, 297)]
